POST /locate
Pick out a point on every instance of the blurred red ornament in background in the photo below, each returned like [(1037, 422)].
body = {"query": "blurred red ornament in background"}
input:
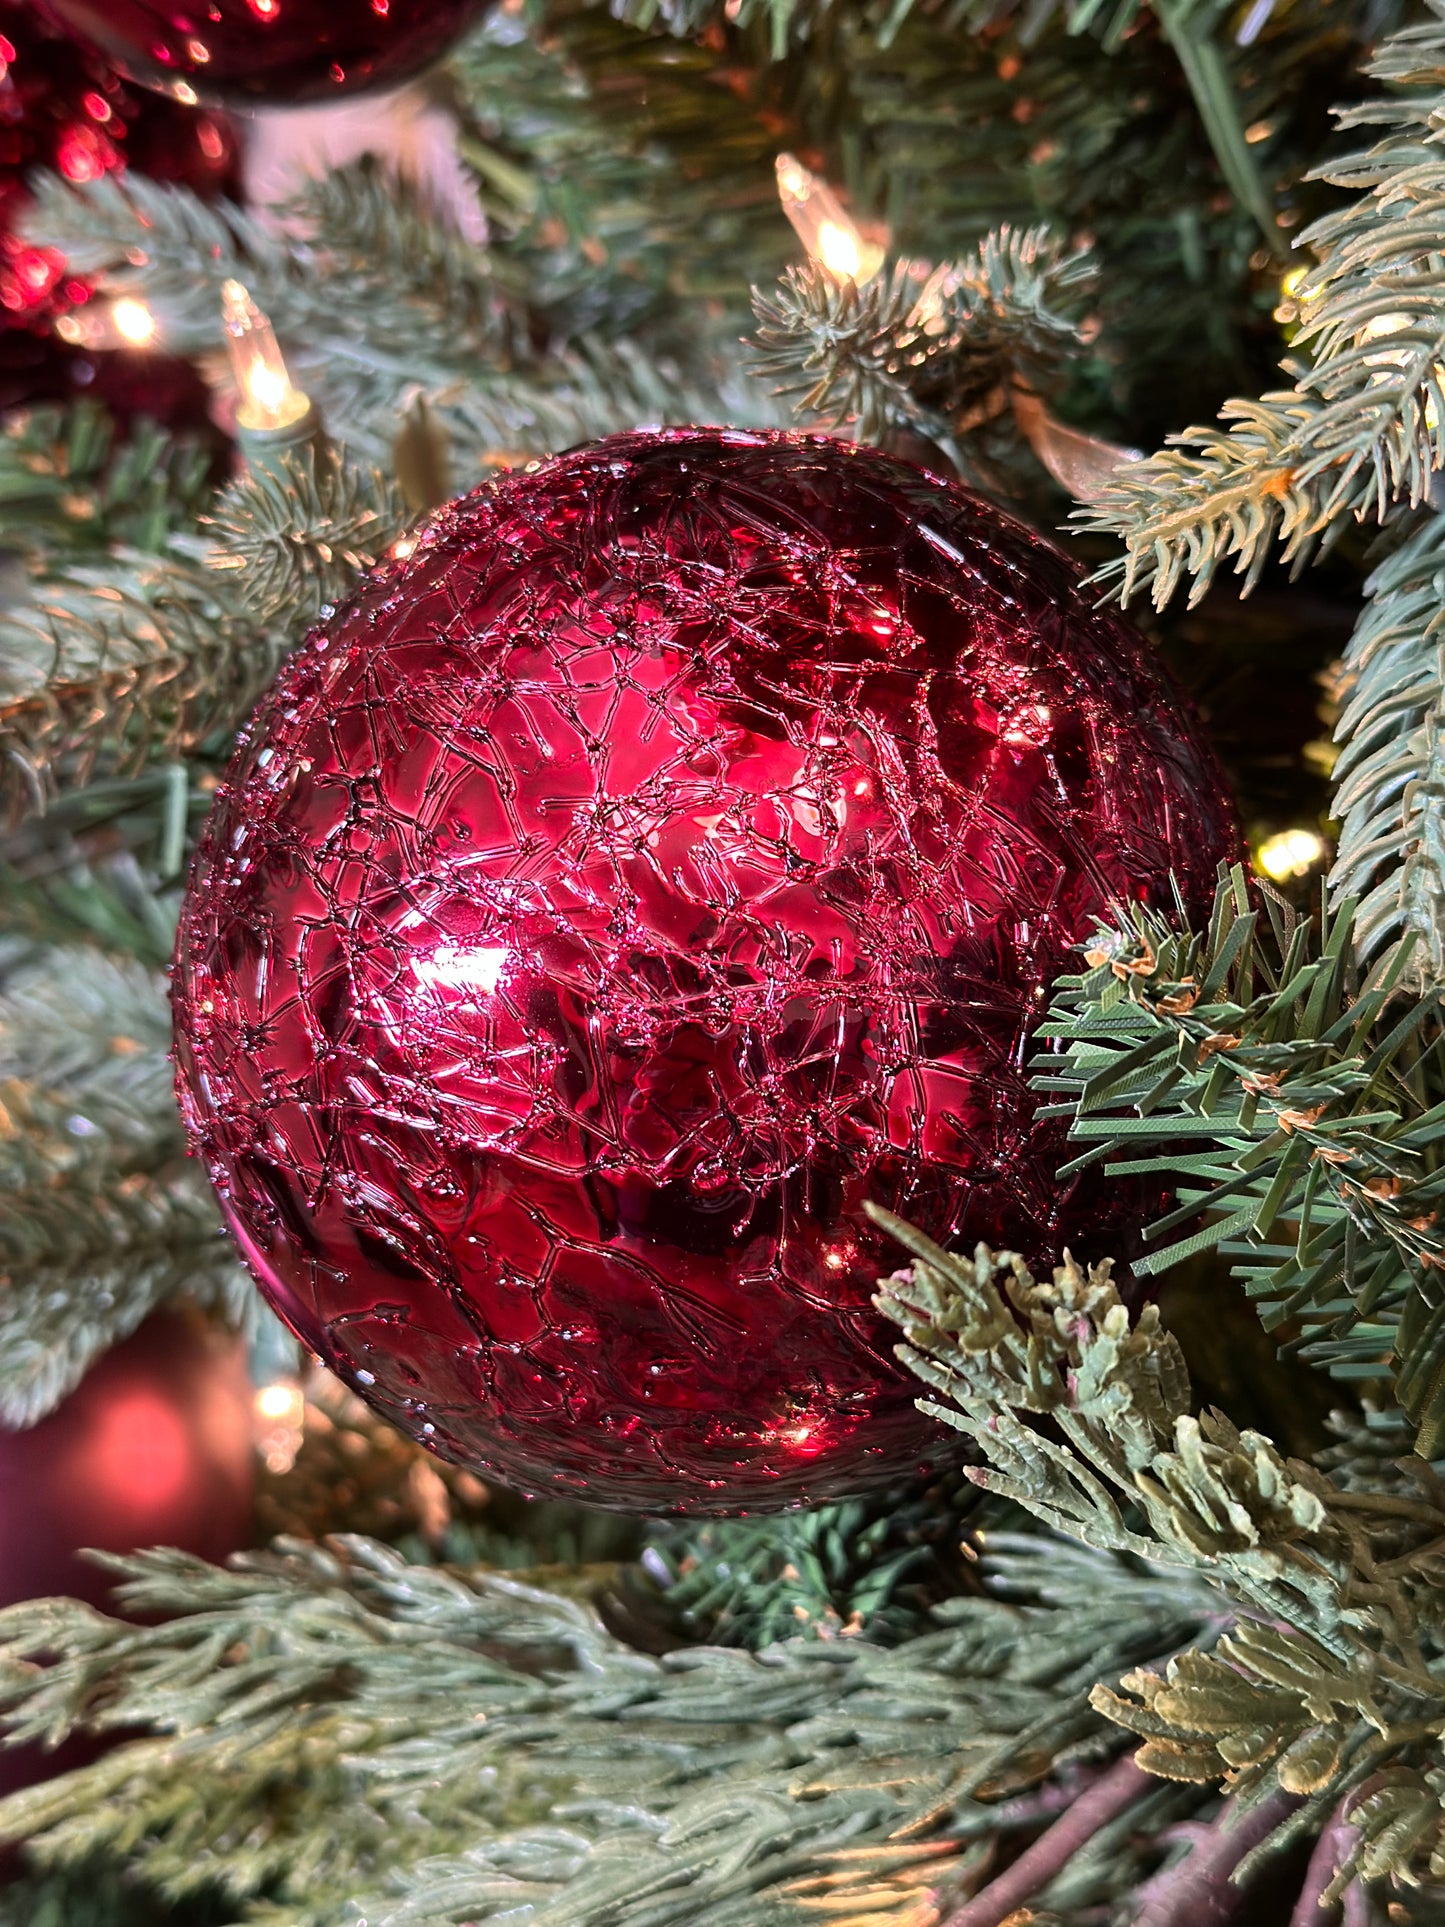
[(669, 857), (62, 107), (153, 1447), (268, 52)]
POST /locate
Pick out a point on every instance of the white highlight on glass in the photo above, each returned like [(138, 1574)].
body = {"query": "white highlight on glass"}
[(457, 966)]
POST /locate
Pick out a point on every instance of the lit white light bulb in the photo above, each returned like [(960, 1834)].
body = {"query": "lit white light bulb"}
[(268, 399), (823, 225)]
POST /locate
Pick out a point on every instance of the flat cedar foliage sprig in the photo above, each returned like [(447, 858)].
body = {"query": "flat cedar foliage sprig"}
[(1326, 1693), (1302, 1111), (335, 1735)]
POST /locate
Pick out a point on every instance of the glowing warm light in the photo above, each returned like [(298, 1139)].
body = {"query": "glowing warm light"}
[(1292, 853), (268, 399), (1291, 295), (823, 225), (280, 1423), (840, 252), (460, 966), (133, 320), (278, 1401)]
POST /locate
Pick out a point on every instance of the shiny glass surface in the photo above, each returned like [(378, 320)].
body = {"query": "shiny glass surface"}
[(668, 856), (267, 51)]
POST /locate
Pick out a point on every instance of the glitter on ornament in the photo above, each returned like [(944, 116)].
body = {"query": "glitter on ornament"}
[(278, 52), (668, 856)]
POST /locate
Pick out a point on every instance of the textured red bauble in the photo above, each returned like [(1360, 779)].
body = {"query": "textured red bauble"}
[(276, 52), (669, 856)]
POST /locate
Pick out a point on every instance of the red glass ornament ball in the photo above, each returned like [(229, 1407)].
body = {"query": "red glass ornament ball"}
[(668, 857), (268, 52), (153, 1447)]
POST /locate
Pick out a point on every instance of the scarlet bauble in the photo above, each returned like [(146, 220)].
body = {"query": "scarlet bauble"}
[(669, 856), (275, 52), (153, 1447)]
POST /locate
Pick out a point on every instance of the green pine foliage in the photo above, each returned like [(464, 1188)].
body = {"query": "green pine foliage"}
[(1083, 1417), (1299, 1109), (1159, 1650), (105, 1216), (335, 1728)]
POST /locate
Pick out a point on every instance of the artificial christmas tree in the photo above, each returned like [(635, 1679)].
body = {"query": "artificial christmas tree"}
[(1120, 1657)]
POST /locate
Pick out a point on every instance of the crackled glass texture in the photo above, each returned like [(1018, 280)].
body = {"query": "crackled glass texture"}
[(259, 52), (666, 858)]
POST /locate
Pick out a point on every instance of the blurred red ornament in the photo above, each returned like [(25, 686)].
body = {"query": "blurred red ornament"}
[(669, 856), (63, 108), (268, 52), (154, 1447)]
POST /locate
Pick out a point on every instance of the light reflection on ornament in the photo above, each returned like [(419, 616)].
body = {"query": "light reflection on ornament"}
[(457, 966), (280, 1411)]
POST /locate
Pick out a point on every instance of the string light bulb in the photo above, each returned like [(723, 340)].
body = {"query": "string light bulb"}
[(269, 402), (125, 322), (280, 1409), (1289, 854), (133, 321), (823, 225)]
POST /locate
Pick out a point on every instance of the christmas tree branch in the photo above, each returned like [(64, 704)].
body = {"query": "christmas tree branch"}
[(105, 1216), (123, 656), (1111, 1794), (118, 661), (842, 1570), (1299, 1110), (68, 484), (1360, 428), (1390, 776), (294, 536), (942, 355), (1326, 1678), (501, 1749)]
